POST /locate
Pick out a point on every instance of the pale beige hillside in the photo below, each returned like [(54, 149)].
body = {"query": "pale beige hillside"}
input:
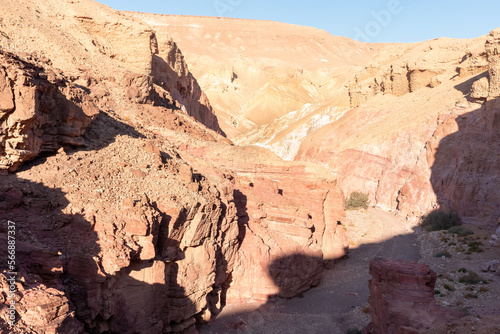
[(257, 71)]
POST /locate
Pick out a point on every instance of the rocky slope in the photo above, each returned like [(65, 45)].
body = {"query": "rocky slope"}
[(97, 47), (136, 215)]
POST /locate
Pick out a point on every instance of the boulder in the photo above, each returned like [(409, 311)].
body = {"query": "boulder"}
[(402, 298)]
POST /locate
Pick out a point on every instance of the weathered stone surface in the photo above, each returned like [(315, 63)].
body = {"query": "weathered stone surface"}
[(480, 89), (412, 68), (402, 298), (423, 149), (40, 111), (289, 220), (493, 53)]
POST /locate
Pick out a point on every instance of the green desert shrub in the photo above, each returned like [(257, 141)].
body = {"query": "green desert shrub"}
[(461, 231), (357, 200), (471, 278), (442, 254), (354, 331), (438, 220)]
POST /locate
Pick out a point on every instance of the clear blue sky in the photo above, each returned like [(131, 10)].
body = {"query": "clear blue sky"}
[(366, 20)]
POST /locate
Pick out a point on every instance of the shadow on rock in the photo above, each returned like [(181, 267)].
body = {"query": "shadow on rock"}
[(466, 168)]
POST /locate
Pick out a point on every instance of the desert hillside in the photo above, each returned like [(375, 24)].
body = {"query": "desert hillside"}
[(373, 114), (156, 169), (257, 71)]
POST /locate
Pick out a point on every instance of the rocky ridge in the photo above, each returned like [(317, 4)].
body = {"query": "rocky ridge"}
[(257, 71)]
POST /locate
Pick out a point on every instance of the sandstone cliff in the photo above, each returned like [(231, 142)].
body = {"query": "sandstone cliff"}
[(378, 118), (87, 40), (423, 148), (40, 110), (290, 215), (136, 215)]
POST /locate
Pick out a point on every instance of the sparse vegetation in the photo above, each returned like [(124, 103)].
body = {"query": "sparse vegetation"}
[(443, 254), (461, 231), (357, 200), (475, 246), (438, 220), (449, 287), (471, 278), (354, 331)]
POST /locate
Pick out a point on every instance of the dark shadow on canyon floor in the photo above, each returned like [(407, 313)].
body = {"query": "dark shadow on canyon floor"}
[(329, 307)]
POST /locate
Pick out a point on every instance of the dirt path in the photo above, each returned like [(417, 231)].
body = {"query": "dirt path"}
[(337, 304)]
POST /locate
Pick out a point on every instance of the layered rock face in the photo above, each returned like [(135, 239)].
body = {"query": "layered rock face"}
[(40, 111), (402, 298), (464, 167), (120, 239), (290, 219), (100, 50), (380, 132), (412, 67), (424, 149)]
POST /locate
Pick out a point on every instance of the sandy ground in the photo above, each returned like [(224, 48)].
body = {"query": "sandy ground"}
[(339, 303)]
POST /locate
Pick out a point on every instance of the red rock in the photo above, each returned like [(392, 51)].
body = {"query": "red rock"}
[(138, 173), (402, 298), (287, 215), (47, 113)]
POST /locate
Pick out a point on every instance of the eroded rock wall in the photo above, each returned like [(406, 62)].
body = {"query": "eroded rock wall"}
[(290, 217), (39, 111)]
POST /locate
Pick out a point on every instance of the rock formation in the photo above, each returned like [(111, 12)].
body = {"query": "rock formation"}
[(257, 71), (40, 111), (402, 298), (284, 210), (380, 132), (143, 218), (100, 48), (426, 147)]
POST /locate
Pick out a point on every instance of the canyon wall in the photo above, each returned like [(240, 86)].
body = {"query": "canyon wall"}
[(40, 111), (424, 147), (290, 217), (374, 116), (136, 215)]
